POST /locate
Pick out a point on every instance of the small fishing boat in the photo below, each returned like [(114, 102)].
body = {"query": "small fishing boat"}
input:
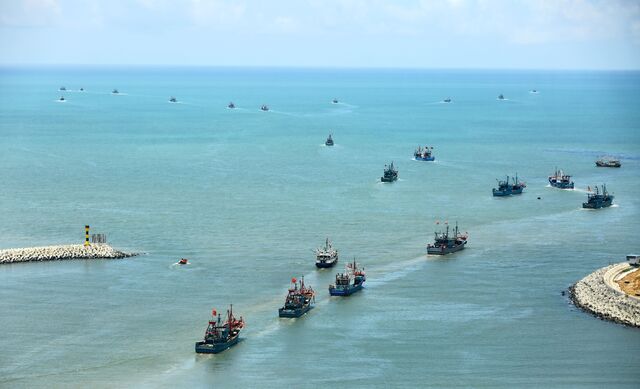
[(447, 100), (504, 189), (444, 244), (518, 186), (598, 200), (349, 282), (329, 141), (501, 97), (115, 92), (231, 105), (61, 98), (299, 300), (608, 162), (62, 88), (390, 173), (264, 108), (326, 256), (219, 337), (173, 100), (81, 89), (183, 261), (334, 101), (425, 154), (561, 180)]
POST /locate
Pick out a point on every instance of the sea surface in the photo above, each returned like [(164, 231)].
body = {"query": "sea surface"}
[(247, 195)]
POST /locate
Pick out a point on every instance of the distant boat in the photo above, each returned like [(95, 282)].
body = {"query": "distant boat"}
[(173, 100), (534, 91), (608, 162), (561, 180), (598, 200), (327, 256), (115, 91), (61, 98), (390, 173), (504, 189), (81, 89), (349, 282), (501, 97), (231, 105), (264, 108), (447, 100), (334, 101), (517, 187), (425, 154), (62, 89), (329, 141), (299, 300), (219, 337), (444, 244), (183, 261)]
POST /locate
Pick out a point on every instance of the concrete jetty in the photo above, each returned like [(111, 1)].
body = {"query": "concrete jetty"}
[(55, 253), (599, 294)]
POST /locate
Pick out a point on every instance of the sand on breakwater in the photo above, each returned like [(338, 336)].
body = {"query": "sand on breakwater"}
[(599, 294), (55, 253)]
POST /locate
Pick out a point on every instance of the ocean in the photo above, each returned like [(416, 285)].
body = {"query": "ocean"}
[(247, 195)]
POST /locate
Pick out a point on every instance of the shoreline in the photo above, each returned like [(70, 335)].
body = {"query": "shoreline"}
[(62, 252), (598, 294)]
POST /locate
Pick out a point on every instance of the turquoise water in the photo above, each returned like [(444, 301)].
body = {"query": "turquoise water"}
[(246, 195)]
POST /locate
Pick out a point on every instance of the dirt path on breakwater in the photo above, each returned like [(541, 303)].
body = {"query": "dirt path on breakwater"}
[(630, 284)]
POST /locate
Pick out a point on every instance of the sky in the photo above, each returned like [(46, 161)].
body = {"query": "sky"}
[(477, 34)]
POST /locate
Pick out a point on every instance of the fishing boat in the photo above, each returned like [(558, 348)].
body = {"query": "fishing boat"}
[(501, 97), (598, 200), (219, 337), (183, 261), (349, 282), (425, 154), (445, 244), (334, 101), (81, 89), (518, 186), (115, 91), (326, 256), (329, 141), (561, 180), (62, 88), (231, 105), (447, 100), (61, 98), (264, 108), (608, 162), (390, 173), (504, 189), (299, 300), (173, 100)]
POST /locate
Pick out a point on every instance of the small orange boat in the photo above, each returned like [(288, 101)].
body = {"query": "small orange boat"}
[(183, 261)]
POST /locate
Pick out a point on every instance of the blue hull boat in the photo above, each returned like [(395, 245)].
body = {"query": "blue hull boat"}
[(429, 159), (325, 265), (560, 180), (349, 290), (214, 348), (500, 193), (293, 313)]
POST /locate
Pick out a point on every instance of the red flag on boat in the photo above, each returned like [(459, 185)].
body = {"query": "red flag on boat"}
[(214, 313), (293, 280)]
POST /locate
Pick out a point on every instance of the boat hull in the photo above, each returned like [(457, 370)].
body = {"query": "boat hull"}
[(517, 190), (351, 289), (293, 313), (385, 179), (325, 264), (598, 204), (428, 159), (561, 185), (501, 193), (608, 164), (214, 348), (445, 250)]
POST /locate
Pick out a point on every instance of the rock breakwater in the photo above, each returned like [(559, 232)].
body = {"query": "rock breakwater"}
[(596, 294), (55, 253)]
